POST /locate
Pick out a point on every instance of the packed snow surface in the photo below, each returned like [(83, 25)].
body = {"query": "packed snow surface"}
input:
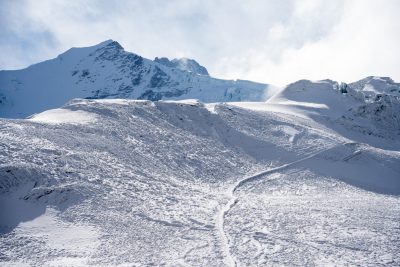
[(61, 115), (182, 183)]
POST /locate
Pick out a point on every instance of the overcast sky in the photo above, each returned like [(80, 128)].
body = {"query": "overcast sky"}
[(272, 41)]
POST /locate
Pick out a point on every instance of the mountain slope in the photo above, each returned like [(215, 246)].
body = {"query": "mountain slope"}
[(309, 177), (108, 71), (132, 183), (355, 107)]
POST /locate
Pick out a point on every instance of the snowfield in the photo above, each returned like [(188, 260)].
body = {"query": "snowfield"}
[(182, 183)]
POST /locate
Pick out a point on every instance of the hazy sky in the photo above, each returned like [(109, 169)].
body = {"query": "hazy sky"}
[(273, 41)]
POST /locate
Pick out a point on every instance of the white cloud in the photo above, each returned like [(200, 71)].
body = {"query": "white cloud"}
[(269, 41), (363, 41)]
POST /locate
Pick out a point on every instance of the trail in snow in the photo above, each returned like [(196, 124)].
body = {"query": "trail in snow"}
[(229, 259), (219, 224), (282, 167)]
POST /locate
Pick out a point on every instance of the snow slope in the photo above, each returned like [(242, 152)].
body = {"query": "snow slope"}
[(347, 108), (181, 183), (106, 70)]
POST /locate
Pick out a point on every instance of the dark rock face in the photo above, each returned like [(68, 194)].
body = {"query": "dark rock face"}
[(383, 110), (164, 61), (159, 78)]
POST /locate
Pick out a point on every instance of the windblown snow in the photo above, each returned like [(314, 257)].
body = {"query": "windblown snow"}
[(307, 175)]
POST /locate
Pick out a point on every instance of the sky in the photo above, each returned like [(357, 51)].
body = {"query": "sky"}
[(271, 41)]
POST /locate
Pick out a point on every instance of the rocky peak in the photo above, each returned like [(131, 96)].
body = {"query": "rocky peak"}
[(108, 50), (185, 64), (164, 61)]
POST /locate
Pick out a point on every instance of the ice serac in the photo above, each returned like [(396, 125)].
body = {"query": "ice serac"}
[(106, 70)]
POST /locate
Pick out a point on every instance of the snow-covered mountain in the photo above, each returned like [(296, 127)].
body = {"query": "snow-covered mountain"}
[(305, 175), (106, 70)]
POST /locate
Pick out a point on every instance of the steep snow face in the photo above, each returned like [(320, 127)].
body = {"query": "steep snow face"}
[(108, 71), (319, 95), (185, 64), (176, 183)]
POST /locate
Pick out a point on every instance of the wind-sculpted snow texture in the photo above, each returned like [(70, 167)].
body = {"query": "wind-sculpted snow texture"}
[(141, 183)]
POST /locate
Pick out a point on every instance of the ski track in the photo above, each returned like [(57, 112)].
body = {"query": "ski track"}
[(228, 258)]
